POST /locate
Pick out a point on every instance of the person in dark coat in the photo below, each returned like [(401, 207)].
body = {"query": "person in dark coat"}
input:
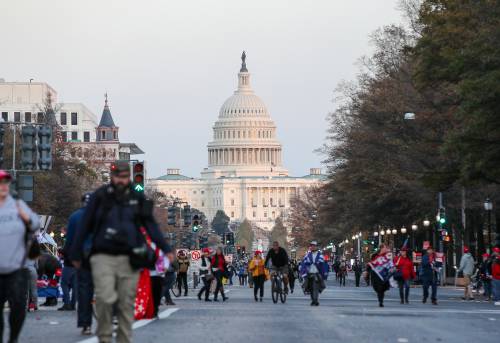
[(429, 275), (380, 267), (357, 269)]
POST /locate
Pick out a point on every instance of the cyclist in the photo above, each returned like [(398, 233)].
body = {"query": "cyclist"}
[(279, 262), (314, 270)]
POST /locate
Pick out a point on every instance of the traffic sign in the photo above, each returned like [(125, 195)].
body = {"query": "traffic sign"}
[(195, 255)]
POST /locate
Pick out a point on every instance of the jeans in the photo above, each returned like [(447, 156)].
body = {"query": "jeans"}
[(433, 284), (33, 289), (487, 288), (205, 288), (495, 288), (168, 282), (69, 284), (258, 282), (182, 280), (13, 289), (85, 297), (404, 290), (115, 282), (220, 287)]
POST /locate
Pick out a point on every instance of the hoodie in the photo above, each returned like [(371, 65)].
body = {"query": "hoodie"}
[(13, 234), (467, 264)]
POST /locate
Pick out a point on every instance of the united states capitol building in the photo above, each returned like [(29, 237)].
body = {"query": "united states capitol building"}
[(245, 176)]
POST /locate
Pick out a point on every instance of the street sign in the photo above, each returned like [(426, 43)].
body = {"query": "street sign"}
[(195, 255)]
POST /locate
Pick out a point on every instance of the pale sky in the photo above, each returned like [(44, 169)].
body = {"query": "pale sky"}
[(168, 66)]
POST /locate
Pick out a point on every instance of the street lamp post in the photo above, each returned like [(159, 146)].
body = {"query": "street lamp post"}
[(488, 206), (414, 229)]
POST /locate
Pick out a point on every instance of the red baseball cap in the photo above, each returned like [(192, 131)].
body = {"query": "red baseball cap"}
[(486, 255), (496, 249), (206, 250), (466, 249), (5, 175), (258, 252)]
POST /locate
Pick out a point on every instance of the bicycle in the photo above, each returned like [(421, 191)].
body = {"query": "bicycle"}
[(277, 287)]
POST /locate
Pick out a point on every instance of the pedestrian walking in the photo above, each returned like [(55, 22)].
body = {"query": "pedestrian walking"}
[(182, 274), (169, 281), (342, 272), (219, 268), (257, 268), (85, 290), (467, 268), (380, 268), (404, 274), (32, 265), (485, 275), (17, 225), (241, 274), (495, 275), (114, 218), (157, 275), (292, 274), (205, 274), (429, 274), (358, 270), (314, 270)]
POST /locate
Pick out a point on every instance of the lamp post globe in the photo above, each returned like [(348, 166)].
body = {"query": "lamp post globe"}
[(403, 230), (414, 227)]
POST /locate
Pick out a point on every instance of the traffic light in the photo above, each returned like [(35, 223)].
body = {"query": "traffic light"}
[(442, 216), (2, 133), (172, 216), (24, 185), (196, 223), (28, 147), (138, 176), (45, 147), (187, 215)]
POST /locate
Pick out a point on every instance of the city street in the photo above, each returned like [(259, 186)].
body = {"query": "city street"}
[(346, 314)]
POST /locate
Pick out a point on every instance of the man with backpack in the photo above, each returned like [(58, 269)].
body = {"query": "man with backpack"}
[(113, 218), (17, 223)]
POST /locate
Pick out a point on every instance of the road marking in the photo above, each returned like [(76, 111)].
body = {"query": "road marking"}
[(138, 324), (403, 340), (492, 319)]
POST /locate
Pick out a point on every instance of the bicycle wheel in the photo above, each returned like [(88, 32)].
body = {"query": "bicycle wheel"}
[(283, 297), (274, 290)]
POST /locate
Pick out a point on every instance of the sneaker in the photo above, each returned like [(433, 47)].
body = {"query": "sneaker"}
[(86, 331), (64, 307), (434, 302), (380, 305), (208, 300), (497, 303), (260, 299)]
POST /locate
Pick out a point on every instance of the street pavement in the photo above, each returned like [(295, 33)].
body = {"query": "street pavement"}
[(345, 314)]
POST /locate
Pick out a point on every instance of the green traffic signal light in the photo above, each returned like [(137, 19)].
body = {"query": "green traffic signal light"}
[(442, 220)]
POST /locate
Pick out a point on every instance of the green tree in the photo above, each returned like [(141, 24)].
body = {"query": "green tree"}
[(220, 222), (458, 54), (245, 235), (279, 233)]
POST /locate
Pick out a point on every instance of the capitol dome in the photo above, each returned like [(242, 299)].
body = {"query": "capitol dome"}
[(244, 136)]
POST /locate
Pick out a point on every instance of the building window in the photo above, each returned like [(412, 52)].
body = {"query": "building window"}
[(17, 117), (27, 117), (64, 118), (115, 136), (232, 214), (74, 118), (5, 116), (74, 135), (265, 214), (86, 136), (203, 204), (194, 192), (39, 117), (103, 135), (274, 214), (64, 136), (254, 214), (232, 202), (202, 192)]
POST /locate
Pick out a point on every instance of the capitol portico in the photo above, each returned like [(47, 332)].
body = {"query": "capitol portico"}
[(245, 176)]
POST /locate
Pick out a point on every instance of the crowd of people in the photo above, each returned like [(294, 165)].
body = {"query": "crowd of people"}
[(117, 266)]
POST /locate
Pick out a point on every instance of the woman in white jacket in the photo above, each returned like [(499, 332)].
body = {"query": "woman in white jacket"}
[(206, 274)]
